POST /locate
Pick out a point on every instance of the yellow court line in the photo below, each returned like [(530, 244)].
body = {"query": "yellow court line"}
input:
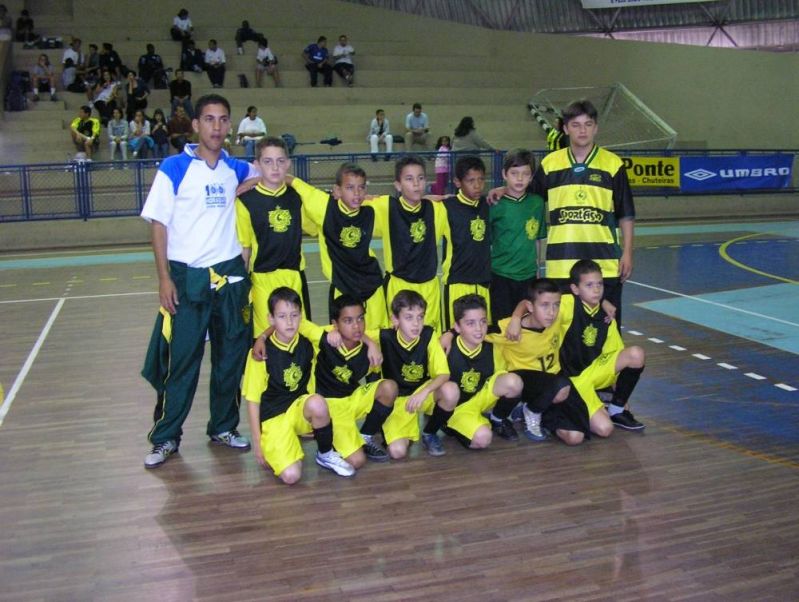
[(39, 283), (7, 285), (108, 279), (141, 277), (726, 257)]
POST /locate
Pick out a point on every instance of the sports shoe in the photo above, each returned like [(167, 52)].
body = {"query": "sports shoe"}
[(432, 444), (160, 453), (332, 460), (373, 451), (625, 420), (516, 413), (231, 439), (504, 429), (532, 425)]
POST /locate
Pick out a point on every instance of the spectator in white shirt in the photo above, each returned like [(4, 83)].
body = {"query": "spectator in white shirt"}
[(251, 129), (181, 27), (379, 132), (265, 60), (342, 54), (215, 64)]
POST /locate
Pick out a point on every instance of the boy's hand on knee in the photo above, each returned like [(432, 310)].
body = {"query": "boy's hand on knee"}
[(415, 402)]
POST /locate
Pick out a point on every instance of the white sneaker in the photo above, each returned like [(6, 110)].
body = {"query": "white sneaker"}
[(332, 460), (532, 425), (160, 453), (231, 439)]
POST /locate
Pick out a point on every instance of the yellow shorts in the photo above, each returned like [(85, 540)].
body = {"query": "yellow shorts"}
[(376, 311), (600, 374), (344, 411), (455, 291), (468, 416), (280, 440), (401, 424), (263, 283), (430, 292)]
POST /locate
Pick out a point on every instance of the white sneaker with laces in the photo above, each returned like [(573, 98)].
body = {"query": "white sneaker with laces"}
[(332, 460), (231, 439), (532, 425), (160, 453)]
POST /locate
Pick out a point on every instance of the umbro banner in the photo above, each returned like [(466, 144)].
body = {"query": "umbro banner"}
[(735, 172), (626, 3)]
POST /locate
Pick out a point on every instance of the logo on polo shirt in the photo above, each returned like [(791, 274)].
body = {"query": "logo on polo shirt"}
[(215, 196)]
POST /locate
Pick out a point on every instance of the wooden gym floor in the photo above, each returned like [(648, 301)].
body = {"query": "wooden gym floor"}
[(700, 507)]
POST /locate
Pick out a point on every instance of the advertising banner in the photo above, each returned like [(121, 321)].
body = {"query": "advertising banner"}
[(742, 172), (625, 3), (653, 172)]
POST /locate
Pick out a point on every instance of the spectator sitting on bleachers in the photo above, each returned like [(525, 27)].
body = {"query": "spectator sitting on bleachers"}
[(118, 135), (317, 60), (105, 97), (192, 58), (180, 130), (110, 59), (70, 80), (181, 27), (25, 28), (342, 54), (467, 138), (251, 129), (417, 126), (85, 131), (151, 68), (245, 33), (215, 64), (90, 72), (180, 93), (136, 93), (380, 133), (43, 78), (139, 137), (159, 132), (265, 60), (74, 53)]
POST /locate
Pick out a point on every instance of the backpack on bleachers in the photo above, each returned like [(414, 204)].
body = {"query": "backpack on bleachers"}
[(19, 84)]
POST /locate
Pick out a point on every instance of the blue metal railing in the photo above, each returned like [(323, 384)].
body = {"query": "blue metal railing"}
[(87, 190)]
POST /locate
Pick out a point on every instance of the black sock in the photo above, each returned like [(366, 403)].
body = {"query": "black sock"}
[(375, 418), (504, 407), (437, 420), (324, 438), (625, 384)]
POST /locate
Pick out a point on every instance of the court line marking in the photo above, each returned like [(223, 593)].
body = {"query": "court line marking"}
[(715, 303), (12, 393), (726, 257)]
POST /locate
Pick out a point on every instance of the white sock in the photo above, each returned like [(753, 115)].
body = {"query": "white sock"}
[(614, 409)]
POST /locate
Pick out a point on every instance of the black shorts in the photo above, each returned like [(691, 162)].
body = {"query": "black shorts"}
[(540, 388), (569, 415), (505, 295)]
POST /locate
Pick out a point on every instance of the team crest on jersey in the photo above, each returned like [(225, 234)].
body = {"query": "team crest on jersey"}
[(531, 228), (580, 195), (350, 236), (279, 219), (292, 377), (413, 372), (246, 313), (603, 359), (469, 381), (215, 196), (343, 374), (595, 177), (418, 231), (589, 336), (554, 344), (478, 229)]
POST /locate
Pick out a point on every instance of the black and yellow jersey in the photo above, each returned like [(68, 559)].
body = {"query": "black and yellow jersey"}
[(586, 335), (282, 378), (467, 242), (344, 238), (270, 222), (411, 364), (585, 201), (471, 368), (537, 349), (410, 234), (556, 139)]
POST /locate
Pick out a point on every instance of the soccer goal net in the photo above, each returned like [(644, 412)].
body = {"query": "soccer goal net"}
[(625, 122)]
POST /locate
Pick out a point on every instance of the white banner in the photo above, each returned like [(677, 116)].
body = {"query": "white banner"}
[(625, 3)]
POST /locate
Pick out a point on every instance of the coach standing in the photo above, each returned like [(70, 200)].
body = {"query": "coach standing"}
[(202, 284)]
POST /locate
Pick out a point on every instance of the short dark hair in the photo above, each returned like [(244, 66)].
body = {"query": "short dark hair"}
[(379, 111), (518, 157), (539, 286), (465, 164), (349, 168), (251, 108), (406, 299), (212, 41), (91, 45), (321, 39), (417, 105), (284, 293), (340, 303), (467, 302), (270, 141), (583, 266), (86, 109), (210, 99), (577, 108), (404, 162)]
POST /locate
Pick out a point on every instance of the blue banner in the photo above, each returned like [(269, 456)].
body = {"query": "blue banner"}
[(742, 172)]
